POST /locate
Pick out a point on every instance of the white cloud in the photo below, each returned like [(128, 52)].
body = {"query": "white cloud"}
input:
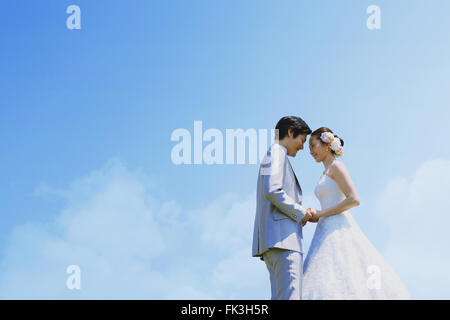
[(130, 246), (417, 213), (236, 274)]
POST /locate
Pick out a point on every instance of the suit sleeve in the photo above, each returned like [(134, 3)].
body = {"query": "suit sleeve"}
[(273, 175)]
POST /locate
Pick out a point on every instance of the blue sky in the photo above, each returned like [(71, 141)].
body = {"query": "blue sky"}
[(82, 110)]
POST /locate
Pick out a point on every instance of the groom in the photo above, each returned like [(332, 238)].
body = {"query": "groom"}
[(277, 237)]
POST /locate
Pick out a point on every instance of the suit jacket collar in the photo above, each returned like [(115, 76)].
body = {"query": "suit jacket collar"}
[(287, 158), (283, 147), (295, 176)]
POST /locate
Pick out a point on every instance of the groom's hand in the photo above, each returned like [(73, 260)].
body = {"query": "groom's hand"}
[(306, 218), (314, 218)]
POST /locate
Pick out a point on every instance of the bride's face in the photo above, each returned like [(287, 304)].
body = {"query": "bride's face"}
[(318, 150)]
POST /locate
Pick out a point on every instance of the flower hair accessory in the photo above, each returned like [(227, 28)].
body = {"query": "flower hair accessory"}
[(333, 143)]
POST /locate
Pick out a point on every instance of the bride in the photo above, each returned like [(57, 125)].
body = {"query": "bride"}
[(341, 262)]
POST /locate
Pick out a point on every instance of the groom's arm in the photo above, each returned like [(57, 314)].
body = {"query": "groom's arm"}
[(273, 188)]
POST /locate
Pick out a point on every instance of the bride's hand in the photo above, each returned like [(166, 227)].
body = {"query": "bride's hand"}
[(315, 217)]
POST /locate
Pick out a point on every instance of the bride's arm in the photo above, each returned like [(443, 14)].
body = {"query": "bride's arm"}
[(338, 172)]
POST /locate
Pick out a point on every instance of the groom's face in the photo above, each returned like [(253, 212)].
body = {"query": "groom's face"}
[(295, 144)]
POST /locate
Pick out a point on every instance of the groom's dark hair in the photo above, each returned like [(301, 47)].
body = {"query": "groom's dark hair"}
[(295, 123)]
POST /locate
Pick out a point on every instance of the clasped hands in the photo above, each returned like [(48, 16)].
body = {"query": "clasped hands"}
[(311, 215)]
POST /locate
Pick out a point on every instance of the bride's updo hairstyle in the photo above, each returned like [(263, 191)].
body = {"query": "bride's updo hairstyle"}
[(317, 133)]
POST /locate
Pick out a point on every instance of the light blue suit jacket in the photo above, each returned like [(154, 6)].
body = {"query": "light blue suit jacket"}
[(278, 208)]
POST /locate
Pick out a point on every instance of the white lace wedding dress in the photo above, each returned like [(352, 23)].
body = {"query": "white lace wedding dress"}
[(341, 262)]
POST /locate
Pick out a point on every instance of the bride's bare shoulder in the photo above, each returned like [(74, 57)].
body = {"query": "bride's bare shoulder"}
[(338, 168)]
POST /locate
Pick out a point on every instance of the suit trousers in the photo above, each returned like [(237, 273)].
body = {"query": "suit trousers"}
[(286, 273)]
